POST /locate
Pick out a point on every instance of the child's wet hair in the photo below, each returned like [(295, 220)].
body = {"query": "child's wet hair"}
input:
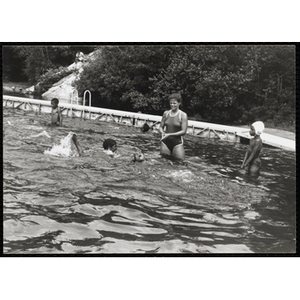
[(55, 100), (109, 143), (145, 127)]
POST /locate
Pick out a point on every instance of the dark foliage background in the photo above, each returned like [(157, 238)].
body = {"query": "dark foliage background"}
[(228, 84)]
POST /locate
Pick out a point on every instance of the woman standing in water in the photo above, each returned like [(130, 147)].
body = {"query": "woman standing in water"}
[(173, 127), (252, 158)]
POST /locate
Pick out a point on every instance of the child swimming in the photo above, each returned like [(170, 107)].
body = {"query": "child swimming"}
[(110, 147), (65, 147), (252, 159)]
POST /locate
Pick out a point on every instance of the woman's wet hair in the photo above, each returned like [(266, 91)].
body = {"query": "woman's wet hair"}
[(175, 96), (109, 143)]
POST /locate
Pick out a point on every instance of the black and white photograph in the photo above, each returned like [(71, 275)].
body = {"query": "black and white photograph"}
[(149, 148)]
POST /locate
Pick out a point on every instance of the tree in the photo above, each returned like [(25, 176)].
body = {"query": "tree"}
[(228, 84), (28, 63), (120, 76)]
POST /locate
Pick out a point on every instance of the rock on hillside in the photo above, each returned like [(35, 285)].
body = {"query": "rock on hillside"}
[(65, 89)]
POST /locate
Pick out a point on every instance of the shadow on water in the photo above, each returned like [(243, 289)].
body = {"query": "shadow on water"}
[(98, 204)]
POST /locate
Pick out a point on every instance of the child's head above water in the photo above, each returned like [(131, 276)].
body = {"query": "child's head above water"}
[(145, 127), (54, 102), (110, 144)]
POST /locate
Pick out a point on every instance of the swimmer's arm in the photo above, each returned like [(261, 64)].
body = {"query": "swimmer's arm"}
[(79, 149), (246, 155), (77, 145)]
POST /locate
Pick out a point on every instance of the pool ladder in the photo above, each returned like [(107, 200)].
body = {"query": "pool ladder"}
[(84, 100), (74, 100)]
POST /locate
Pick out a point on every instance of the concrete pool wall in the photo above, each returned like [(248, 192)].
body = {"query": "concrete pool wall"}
[(195, 128)]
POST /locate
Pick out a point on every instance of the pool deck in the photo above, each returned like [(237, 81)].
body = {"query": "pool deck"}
[(196, 128), (272, 140)]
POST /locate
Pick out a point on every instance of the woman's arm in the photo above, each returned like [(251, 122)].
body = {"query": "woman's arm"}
[(162, 123)]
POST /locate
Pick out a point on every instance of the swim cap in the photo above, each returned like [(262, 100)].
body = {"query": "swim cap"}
[(259, 127)]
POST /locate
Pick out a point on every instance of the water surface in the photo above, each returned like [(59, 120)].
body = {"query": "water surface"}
[(96, 204)]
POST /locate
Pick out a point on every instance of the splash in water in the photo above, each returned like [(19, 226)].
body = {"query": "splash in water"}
[(64, 148)]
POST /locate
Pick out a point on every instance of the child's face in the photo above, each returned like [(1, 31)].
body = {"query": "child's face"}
[(113, 148), (54, 104), (252, 131)]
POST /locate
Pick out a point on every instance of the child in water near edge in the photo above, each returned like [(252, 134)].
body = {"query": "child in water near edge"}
[(56, 116), (251, 159)]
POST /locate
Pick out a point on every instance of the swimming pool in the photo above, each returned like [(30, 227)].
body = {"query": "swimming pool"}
[(95, 204)]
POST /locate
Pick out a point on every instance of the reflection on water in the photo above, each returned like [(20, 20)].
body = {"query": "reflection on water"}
[(98, 204)]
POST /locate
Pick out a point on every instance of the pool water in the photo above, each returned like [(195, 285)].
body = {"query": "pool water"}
[(97, 204)]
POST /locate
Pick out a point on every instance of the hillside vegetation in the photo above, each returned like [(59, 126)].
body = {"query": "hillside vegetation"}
[(228, 84)]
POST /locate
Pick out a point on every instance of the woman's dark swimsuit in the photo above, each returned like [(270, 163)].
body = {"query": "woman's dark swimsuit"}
[(173, 124)]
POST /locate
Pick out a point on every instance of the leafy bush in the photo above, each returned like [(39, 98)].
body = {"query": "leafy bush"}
[(53, 75), (230, 84)]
